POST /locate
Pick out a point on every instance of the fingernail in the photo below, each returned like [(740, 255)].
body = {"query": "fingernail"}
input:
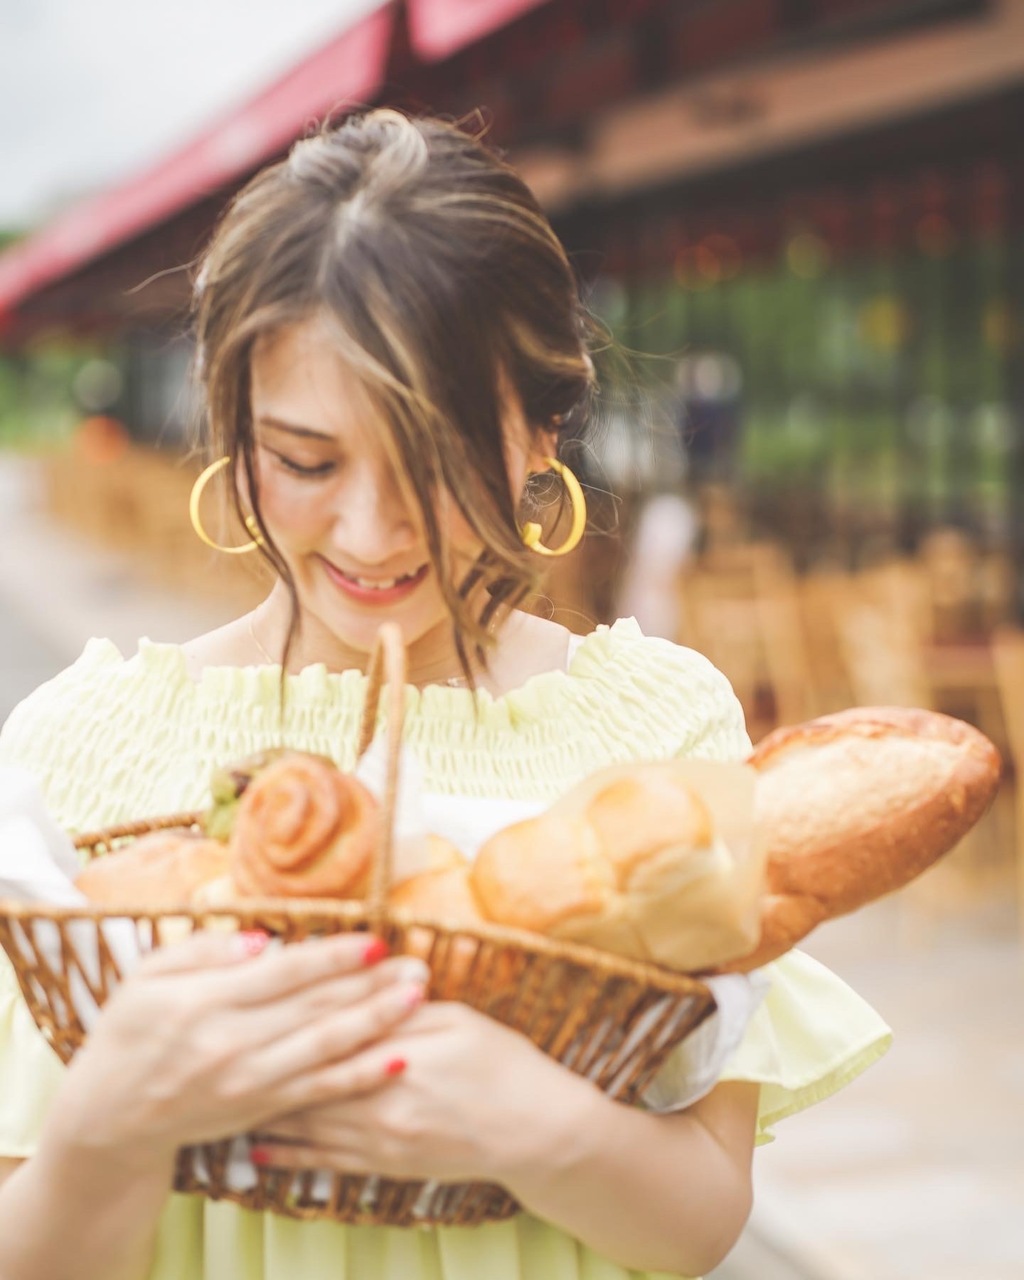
[(375, 951), (415, 997), (408, 969), (259, 1156), (395, 1067), (253, 941)]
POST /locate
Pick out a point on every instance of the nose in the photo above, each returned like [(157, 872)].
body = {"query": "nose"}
[(373, 525)]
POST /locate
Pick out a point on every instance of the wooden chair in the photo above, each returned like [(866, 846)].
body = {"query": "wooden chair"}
[(739, 607), (718, 616), (822, 598), (950, 562)]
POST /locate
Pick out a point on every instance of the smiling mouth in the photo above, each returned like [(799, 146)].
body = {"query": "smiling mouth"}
[(382, 584)]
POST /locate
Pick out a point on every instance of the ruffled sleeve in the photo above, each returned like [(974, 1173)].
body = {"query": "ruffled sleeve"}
[(810, 1036), (30, 1071), (649, 698)]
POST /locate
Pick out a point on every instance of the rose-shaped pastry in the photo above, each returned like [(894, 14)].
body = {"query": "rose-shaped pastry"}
[(228, 785), (304, 829)]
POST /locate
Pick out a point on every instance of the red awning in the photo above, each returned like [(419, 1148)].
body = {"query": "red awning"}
[(439, 28), (348, 70)]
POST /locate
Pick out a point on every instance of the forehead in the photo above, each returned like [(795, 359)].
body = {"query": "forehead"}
[(297, 373)]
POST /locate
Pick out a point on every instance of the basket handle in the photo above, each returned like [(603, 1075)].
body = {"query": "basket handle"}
[(387, 667)]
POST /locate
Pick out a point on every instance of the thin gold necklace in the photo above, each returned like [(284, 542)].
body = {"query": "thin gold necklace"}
[(274, 662), (454, 682)]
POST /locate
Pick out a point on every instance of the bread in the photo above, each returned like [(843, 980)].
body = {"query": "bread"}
[(627, 861), (854, 805), (441, 892), (442, 895), (631, 860), (158, 870), (303, 828)]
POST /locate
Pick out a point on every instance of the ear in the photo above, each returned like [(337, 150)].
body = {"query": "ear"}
[(543, 445)]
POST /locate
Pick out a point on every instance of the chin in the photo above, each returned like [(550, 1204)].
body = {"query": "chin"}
[(358, 630)]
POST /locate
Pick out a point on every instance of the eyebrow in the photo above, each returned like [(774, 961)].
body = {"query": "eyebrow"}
[(267, 420)]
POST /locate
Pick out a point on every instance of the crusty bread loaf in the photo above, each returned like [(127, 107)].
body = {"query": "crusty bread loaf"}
[(628, 861), (854, 805), (160, 869)]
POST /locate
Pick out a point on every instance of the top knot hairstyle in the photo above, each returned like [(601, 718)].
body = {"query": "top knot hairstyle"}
[(447, 291)]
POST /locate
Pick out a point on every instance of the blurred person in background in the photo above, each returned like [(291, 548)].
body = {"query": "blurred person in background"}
[(391, 342), (664, 542)]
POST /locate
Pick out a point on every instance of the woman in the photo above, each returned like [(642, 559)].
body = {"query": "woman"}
[(391, 343)]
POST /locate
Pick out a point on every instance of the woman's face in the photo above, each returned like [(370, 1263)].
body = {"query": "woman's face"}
[(344, 521)]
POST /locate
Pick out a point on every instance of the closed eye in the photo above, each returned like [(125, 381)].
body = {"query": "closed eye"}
[(307, 473)]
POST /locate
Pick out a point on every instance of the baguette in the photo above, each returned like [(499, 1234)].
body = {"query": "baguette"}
[(852, 806)]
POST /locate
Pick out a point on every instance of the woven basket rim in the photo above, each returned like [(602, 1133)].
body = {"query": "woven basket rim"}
[(353, 910)]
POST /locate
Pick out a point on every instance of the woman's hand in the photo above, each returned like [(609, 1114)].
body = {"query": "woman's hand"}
[(210, 1038), (475, 1100)]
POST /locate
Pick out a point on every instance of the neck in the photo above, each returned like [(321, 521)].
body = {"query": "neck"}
[(431, 659)]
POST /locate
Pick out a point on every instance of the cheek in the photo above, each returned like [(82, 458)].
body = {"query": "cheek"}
[(293, 511)]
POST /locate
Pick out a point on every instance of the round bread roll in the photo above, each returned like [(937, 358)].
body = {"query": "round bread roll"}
[(304, 829), (854, 805), (441, 894), (441, 891), (160, 869), (626, 861)]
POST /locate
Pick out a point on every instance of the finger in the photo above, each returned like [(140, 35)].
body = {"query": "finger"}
[(281, 971), (300, 1057), (204, 949), (280, 1155), (254, 1029), (355, 1078), (314, 1127)]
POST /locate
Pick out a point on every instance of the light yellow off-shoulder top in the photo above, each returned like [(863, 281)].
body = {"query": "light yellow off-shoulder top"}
[(113, 739)]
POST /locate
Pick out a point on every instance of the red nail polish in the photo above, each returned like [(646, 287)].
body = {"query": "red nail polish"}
[(376, 951), (260, 1156), (253, 941), (395, 1067)]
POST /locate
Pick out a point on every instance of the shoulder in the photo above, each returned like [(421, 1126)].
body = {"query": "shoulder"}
[(228, 646), (75, 687), (66, 731), (680, 702), (529, 646)]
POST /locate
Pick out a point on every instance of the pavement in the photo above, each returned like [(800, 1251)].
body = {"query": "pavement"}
[(913, 1172)]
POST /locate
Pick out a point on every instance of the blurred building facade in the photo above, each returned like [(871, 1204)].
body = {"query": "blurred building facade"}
[(808, 214)]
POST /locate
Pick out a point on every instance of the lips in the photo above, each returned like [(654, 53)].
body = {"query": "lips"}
[(375, 591)]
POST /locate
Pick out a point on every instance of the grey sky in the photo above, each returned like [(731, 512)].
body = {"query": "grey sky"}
[(91, 90)]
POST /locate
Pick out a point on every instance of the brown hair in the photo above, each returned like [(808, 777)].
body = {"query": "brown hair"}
[(445, 288)]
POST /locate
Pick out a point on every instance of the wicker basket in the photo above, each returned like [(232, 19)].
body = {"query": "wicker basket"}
[(610, 1019)]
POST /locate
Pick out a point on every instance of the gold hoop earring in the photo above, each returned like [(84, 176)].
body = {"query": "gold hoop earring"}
[(531, 532), (197, 524)]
